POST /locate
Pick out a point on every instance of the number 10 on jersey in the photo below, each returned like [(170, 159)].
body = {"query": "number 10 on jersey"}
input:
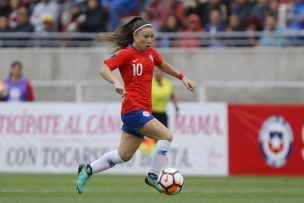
[(137, 69)]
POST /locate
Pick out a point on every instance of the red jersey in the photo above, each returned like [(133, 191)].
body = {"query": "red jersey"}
[(136, 69)]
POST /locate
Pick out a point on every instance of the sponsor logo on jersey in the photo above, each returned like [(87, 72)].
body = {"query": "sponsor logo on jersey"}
[(146, 114), (151, 57), (276, 140)]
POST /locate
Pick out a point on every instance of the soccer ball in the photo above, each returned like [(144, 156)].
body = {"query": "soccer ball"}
[(170, 181)]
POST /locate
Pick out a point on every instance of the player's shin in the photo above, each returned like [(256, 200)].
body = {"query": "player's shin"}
[(106, 161), (159, 158)]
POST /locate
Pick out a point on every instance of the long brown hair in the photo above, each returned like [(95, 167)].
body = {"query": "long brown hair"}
[(123, 35)]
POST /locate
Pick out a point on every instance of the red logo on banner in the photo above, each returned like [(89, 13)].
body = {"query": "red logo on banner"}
[(266, 139), (276, 141)]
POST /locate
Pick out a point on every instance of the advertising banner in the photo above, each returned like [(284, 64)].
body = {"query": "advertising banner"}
[(56, 137), (266, 139)]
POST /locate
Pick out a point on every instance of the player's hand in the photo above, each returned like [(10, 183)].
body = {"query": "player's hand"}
[(3, 89), (119, 88), (188, 83)]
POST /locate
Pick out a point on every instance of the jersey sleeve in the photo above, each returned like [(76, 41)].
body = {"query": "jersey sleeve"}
[(158, 59), (116, 60)]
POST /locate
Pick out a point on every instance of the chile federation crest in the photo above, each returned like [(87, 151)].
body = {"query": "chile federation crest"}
[(276, 140)]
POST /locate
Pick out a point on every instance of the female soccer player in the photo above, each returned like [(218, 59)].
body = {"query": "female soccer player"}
[(135, 59)]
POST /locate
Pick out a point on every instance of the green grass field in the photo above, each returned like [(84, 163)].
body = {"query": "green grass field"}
[(131, 189)]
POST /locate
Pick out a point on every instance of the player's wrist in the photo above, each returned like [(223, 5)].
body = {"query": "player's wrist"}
[(180, 76)]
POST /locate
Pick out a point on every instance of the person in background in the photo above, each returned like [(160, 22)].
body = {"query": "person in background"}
[(17, 87), (177, 7), (3, 29), (272, 33), (118, 8), (243, 9), (156, 8), (12, 18), (193, 25), (162, 91), (234, 25), (48, 24), (172, 24), (93, 18), (4, 24), (43, 8), (23, 24)]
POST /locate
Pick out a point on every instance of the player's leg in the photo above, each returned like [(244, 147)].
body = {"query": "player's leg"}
[(127, 147), (148, 144), (156, 130)]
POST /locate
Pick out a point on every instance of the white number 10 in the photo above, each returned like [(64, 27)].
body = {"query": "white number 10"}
[(137, 69)]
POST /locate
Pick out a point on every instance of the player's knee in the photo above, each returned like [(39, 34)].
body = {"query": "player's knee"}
[(126, 157), (168, 137)]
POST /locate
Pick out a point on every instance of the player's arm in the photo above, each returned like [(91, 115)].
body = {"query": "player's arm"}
[(107, 74), (168, 68), (174, 101)]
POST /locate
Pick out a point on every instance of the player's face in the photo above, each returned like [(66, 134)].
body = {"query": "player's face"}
[(143, 38), (16, 72)]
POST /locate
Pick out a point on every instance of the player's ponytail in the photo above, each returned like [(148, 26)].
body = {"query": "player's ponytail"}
[(123, 35)]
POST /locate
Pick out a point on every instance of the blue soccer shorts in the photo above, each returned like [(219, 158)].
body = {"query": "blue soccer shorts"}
[(135, 120)]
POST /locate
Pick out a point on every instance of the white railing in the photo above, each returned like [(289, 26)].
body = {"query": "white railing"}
[(204, 39), (78, 86)]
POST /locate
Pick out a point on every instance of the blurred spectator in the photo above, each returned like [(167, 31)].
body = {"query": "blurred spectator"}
[(251, 32), (30, 4), (172, 24), (193, 24), (119, 8), (204, 10), (156, 8), (14, 5), (259, 10), (4, 24), (42, 9), (243, 9), (145, 14), (3, 28), (18, 88), (273, 8), (105, 15), (48, 24), (295, 15), (177, 7), (70, 18), (4, 8), (234, 25), (23, 24), (271, 34), (94, 18), (215, 24)]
